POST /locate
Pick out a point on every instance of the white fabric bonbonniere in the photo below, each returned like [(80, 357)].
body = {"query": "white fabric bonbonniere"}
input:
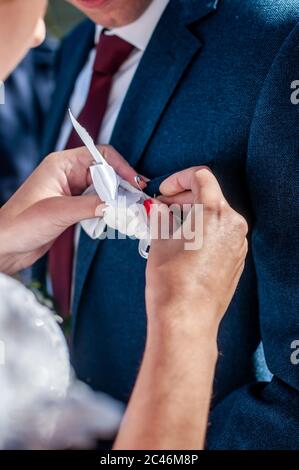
[(124, 211)]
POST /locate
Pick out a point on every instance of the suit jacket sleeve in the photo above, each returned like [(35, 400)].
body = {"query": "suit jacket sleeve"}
[(266, 415)]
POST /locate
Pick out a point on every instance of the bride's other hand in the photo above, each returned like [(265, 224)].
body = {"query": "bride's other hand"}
[(187, 294), (182, 280), (49, 202)]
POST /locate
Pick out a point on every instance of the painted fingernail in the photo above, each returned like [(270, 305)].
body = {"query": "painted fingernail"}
[(148, 204), (140, 179)]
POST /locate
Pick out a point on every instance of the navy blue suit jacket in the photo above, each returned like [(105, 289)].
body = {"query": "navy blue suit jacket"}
[(212, 88), (27, 99)]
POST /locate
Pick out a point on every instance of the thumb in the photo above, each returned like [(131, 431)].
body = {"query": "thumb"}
[(64, 211)]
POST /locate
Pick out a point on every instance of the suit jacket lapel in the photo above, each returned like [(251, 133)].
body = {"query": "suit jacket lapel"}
[(169, 53), (70, 62)]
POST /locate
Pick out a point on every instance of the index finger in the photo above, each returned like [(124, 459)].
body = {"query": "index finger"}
[(121, 166), (206, 189), (179, 182), (200, 180)]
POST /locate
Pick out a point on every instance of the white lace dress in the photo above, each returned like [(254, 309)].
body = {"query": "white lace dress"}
[(42, 405)]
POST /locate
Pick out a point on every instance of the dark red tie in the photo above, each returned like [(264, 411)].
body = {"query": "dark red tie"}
[(111, 53)]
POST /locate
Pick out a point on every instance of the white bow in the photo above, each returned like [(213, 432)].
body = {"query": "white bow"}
[(124, 211)]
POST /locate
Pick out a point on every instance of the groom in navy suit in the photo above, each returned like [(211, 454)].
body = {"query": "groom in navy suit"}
[(193, 90)]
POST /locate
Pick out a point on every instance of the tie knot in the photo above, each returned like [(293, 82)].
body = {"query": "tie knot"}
[(112, 52)]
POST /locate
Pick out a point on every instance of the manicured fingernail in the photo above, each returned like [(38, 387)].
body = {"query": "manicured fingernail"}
[(138, 180), (148, 204), (141, 179)]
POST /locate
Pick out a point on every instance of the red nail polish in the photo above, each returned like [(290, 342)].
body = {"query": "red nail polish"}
[(147, 204)]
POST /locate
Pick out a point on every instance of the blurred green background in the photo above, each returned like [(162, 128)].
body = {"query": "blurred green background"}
[(61, 17)]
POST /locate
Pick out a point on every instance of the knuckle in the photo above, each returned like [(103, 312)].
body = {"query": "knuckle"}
[(237, 228), (104, 149), (110, 149), (50, 159), (216, 206), (238, 222), (203, 168), (50, 156), (241, 225), (245, 247), (200, 173)]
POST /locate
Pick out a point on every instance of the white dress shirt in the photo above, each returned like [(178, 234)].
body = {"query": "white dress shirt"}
[(138, 34)]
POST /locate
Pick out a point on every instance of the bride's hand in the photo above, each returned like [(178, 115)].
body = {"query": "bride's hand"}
[(197, 285), (187, 293), (49, 202)]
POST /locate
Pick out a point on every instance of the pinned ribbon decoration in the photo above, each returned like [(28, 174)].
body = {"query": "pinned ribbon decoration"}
[(126, 207)]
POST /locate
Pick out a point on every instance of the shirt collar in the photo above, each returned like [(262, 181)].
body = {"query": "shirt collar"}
[(140, 31)]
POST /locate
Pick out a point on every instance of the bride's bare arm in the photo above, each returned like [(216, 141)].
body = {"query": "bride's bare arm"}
[(170, 403)]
